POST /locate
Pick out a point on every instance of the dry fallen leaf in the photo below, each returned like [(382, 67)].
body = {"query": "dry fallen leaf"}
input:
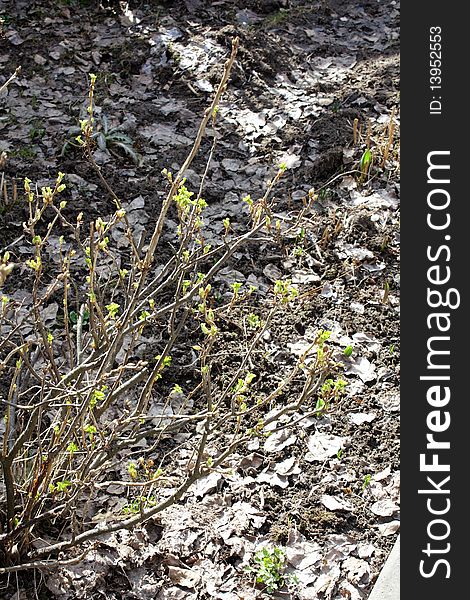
[(384, 508), (390, 528), (360, 418), (362, 367), (279, 440), (273, 479), (335, 503), (185, 577), (206, 484), (357, 570), (322, 446)]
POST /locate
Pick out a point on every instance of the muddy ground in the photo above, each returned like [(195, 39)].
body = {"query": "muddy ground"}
[(315, 84)]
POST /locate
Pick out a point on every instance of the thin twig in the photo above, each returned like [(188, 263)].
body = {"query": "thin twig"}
[(12, 78)]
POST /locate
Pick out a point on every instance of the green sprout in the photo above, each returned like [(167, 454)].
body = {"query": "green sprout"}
[(60, 487), (73, 316), (236, 286), (166, 361), (132, 470), (241, 388), (209, 331), (90, 430), (108, 139), (139, 504), (34, 264), (285, 291), (183, 197), (186, 203), (366, 481), (365, 162), (254, 322), (322, 337), (269, 569), (97, 396), (72, 448), (329, 391), (112, 310)]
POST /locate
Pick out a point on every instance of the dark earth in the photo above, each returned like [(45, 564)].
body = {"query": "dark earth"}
[(315, 85)]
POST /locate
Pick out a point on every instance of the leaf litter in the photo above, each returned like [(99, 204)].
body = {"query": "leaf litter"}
[(296, 110)]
